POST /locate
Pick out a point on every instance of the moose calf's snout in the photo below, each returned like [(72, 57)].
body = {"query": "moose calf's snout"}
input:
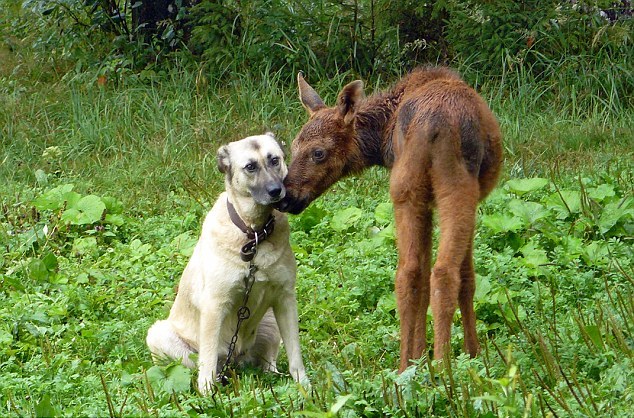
[(283, 204)]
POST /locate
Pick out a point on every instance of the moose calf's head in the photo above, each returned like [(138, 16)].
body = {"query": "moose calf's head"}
[(326, 147)]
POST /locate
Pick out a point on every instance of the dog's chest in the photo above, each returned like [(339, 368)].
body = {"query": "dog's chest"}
[(262, 293), (259, 282)]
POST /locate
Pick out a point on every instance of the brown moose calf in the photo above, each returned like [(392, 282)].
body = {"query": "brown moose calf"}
[(443, 145)]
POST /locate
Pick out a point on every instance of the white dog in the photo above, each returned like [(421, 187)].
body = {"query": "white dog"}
[(204, 316)]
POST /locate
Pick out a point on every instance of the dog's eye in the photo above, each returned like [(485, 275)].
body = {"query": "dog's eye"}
[(275, 161), (251, 167), (319, 155)]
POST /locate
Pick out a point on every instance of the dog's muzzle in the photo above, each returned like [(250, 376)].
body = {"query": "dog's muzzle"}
[(276, 192), (269, 194)]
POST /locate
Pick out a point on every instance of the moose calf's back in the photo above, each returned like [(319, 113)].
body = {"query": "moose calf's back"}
[(441, 114)]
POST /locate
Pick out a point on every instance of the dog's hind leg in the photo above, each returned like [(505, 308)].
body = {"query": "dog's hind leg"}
[(165, 344)]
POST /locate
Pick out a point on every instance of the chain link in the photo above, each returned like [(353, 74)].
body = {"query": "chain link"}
[(243, 314)]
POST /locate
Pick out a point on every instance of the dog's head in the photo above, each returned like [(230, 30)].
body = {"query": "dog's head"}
[(254, 166)]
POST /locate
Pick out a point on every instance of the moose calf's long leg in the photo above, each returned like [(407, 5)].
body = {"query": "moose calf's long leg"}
[(411, 283), (456, 201), (420, 334), (465, 300), (414, 226)]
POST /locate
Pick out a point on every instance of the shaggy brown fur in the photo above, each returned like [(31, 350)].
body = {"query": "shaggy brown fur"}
[(444, 148)]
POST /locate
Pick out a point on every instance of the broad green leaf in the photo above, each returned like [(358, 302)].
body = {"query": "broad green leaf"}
[(387, 234), (483, 287), (127, 379), (508, 312), (50, 261), (310, 217), (38, 270), (82, 278), (156, 376), (57, 310), (366, 246), (31, 236), (387, 303), (45, 408), (613, 212), (113, 206), (71, 198), (12, 281), (346, 218), (178, 379), (53, 199), (594, 333), (184, 243), (138, 248), (115, 219), (566, 203), (498, 222), (523, 186), (341, 401), (5, 338), (534, 256), (571, 248), (406, 376), (530, 212), (596, 253), (85, 246), (601, 192), (86, 211), (384, 213)]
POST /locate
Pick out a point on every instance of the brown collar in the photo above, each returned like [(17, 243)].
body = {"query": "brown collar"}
[(255, 236)]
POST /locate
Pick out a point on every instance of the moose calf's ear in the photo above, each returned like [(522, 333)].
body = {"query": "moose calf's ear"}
[(348, 100), (308, 96), (223, 159)]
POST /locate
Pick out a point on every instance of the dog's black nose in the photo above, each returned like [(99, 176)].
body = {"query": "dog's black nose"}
[(275, 191)]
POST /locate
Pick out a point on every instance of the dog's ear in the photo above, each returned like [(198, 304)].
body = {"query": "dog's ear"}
[(282, 145), (224, 164)]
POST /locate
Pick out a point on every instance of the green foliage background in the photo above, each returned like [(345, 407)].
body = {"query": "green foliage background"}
[(107, 167)]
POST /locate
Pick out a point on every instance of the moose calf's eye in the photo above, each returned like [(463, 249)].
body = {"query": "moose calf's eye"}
[(319, 155)]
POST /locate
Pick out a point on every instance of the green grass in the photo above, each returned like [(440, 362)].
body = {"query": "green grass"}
[(553, 257)]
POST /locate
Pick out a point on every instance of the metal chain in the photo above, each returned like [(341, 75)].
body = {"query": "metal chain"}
[(243, 314)]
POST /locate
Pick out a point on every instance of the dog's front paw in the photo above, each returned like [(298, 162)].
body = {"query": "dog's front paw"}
[(305, 382), (300, 377), (205, 383)]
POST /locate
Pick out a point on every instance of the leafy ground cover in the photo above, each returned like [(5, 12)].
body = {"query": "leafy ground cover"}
[(103, 194)]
